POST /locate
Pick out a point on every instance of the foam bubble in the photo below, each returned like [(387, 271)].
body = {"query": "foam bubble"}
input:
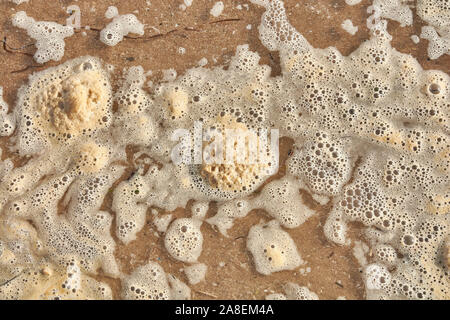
[(272, 249), (184, 240), (49, 36), (120, 27)]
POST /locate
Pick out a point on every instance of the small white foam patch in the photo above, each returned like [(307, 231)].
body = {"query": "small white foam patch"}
[(196, 273), (121, 26), (295, 292), (133, 124), (437, 45), (49, 36), (321, 199), (415, 38), (385, 254), (335, 226), (199, 210), (52, 283), (74, 19), (178, 289), (352, 2), (184, 240), (111, 12), (348, 26), (19, 1), (322, 161), (359, 251), (272, 249), (7, 121), (436, 13), (385, 111), (281, 199), (217, 9)]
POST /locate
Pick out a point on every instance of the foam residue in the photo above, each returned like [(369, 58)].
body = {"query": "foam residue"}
[(370, 148), (120, 27), (49, 36), (415, 38), (148, 282), (130, 214), (348, 26), (359, 251), (5, 166), (162, 222), (199, 210), (50, 283), (293, 291), (19, 1), (352, 2), (447, 251), (282, 201), (184, 240), (196, 273), (217, 9), (437, 45), (178, 289), (7, 120), (436, 13), (276, 296), (395, 10), (272, 249)]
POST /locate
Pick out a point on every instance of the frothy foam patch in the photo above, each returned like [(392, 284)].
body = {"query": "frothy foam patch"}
[(437, 45), (293, 291), (49, 36), (352, 2), (348, 26), (19, 1), (196, 273), (50, 283), (120, 27), (394, 10), (148, 282), (178, 289), (272, 249), (217, 9), (184, 240), (7, 120)]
